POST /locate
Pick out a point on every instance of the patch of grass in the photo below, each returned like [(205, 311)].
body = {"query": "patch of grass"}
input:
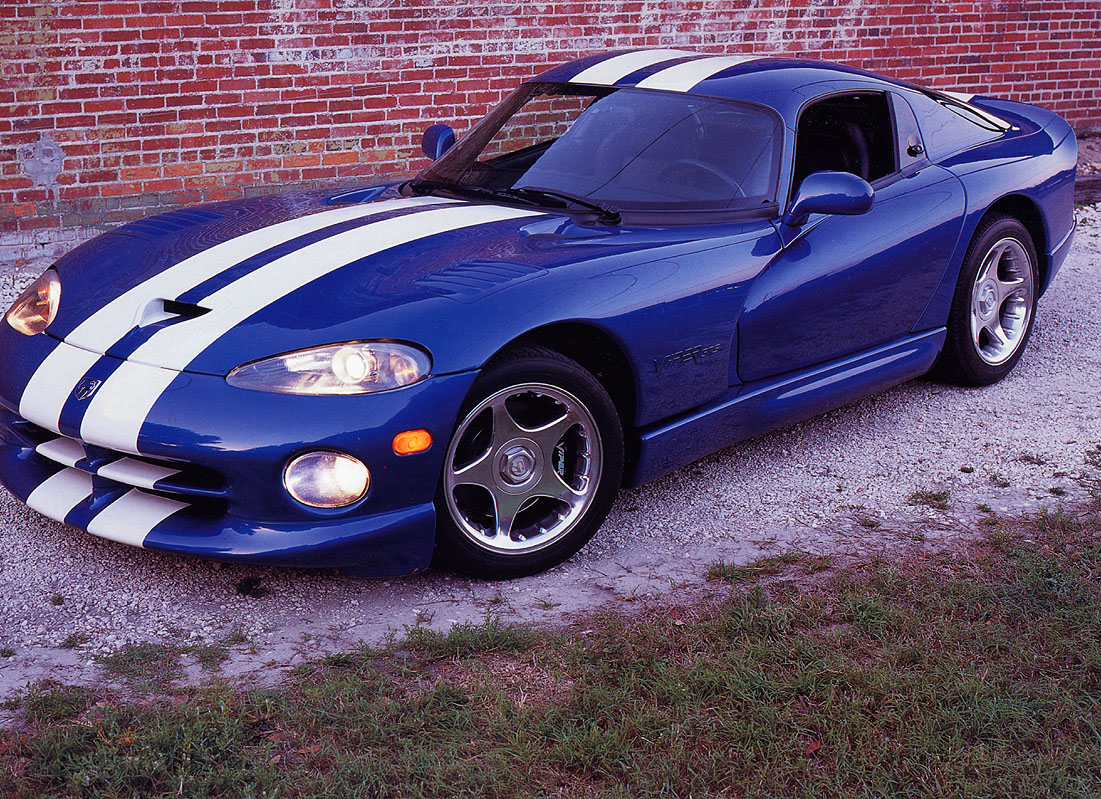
[(1057, 491), (869, 522), (817, 563), (546, 604), (492, 635), (57, 599), (145, 666), (1034, 458), (7, 652), (768, 566), (50, 702), (967, 674), (210, 656), (75, 640), (932, 499), (999, 480), (982, 507)]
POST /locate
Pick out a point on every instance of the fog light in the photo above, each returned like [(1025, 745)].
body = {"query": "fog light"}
[(326, 479)]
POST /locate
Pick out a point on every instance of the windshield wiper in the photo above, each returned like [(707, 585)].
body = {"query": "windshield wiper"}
[(607, 211), (529, 195)]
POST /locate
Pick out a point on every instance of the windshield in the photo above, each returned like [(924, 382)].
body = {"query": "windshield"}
[(634, 149)]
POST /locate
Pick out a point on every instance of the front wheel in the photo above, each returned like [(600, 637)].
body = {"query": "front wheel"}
[(532, 468), (993, 308)]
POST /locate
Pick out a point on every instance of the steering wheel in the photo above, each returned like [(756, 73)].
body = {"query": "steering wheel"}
[(701, 169)]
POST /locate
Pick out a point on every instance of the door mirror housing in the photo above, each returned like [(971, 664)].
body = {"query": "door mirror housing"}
[(829, 193), (437, 140)]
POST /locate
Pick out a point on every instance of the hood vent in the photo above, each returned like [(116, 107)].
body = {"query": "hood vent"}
[(475, 279)]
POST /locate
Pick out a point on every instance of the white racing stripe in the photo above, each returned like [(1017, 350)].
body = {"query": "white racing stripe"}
[(45, 393), (60, 493), (58, 374), (129, 518), (617, 67), (682, 77), (135, 473), (119, 409), (66, 451)]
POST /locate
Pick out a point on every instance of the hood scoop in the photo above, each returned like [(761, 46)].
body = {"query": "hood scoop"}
[(163, 312)]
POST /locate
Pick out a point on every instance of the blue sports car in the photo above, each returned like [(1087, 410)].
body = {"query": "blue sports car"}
[(636, 259)]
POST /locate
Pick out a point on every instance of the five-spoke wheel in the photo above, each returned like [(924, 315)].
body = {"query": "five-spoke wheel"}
[(992, 311), (531, 469)]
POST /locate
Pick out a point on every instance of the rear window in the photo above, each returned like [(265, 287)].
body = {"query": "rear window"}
[(949, 126)]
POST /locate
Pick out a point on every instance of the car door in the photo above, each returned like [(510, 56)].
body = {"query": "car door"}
[(846, 284)]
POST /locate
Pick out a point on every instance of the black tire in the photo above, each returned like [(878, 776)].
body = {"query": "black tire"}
[(962, 361), (528, 380)]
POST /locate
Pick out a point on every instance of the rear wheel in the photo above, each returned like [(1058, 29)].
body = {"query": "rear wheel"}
[(532, 468), (994, 305)]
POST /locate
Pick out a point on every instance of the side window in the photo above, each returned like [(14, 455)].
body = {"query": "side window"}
[(846, 133)]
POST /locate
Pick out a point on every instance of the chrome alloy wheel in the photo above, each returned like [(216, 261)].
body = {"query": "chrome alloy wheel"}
[(522, 468), (1001, 301)]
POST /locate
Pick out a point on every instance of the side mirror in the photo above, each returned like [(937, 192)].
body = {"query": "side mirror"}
[(829, 193), (437, 140)]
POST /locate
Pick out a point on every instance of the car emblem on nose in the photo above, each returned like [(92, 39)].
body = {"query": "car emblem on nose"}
[(86, 388)]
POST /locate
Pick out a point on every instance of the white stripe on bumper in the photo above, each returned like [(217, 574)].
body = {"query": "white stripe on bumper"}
[(129, 518), (135, 473), (66, 451), (60, 493)]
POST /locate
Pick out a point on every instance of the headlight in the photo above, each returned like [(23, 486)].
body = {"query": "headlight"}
[(37, 306), (355, 368)]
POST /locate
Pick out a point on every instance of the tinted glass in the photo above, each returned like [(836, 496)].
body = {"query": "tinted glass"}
[(636, 149)]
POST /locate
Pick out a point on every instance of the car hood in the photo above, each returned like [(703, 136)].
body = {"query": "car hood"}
[(206, 289)]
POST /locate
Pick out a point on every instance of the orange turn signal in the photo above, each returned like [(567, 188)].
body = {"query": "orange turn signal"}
[(412, 441)]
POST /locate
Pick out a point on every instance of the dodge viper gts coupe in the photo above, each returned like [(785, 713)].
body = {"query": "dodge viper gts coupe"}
[(636, 259)]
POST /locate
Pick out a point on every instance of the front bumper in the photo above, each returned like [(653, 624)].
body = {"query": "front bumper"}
[(207, 476)]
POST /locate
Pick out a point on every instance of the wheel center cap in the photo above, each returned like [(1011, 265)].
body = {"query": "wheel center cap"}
[(519, 463), (988, 298)]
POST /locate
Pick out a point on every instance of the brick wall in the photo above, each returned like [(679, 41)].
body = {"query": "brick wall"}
[(110, 109)]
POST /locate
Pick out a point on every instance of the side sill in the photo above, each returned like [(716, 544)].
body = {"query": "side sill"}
[(756, 408)]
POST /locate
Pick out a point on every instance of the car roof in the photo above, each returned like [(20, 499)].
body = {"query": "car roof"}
[(783, 83)]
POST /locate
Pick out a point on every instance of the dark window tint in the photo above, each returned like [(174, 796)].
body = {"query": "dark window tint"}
[(847, 133)]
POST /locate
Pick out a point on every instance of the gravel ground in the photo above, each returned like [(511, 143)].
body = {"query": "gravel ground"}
[(67, 597)]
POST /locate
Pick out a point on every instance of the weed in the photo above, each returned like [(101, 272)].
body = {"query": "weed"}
[(967, 469), (767, 566), (984, 508), (210, 656), (49, 701), (1057, 491), (465, 639), (145, 666), (999, 480), (546, 604), (1093, 456), (1035, 458), (7, 652), (74, 640), (817, 563), (57, 599), (932, 499), (869, 522)]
